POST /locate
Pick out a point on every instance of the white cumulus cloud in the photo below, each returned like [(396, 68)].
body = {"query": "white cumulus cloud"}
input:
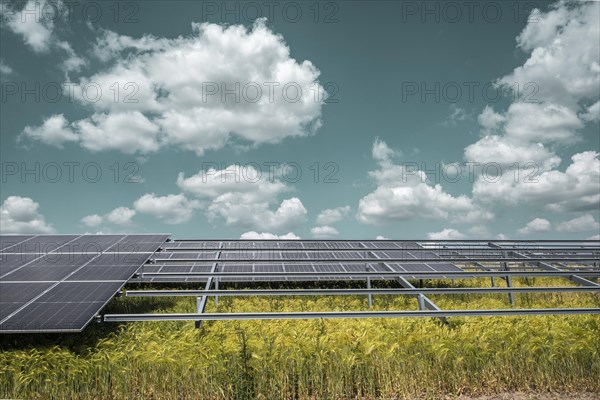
[(446, 234), (536, 225), (171, 209), (252, 235), (173, 91), (584, 223), (242, 196), (324, 232), (403, 193), (20, 215), (332, 215), (92, 220)]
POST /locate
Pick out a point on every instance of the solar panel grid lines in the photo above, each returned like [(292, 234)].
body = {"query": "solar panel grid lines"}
[(70, 282), (38, 256), (46, 290), (9, 241)]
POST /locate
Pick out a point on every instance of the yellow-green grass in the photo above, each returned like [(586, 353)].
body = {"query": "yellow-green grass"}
[(331, 359)]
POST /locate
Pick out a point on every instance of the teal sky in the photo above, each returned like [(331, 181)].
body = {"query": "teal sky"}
[(369, 53)]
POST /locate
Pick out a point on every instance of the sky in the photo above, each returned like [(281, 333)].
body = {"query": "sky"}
[(324, 120)]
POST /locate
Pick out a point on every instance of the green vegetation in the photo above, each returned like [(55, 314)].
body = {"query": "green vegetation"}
[(325, 359)]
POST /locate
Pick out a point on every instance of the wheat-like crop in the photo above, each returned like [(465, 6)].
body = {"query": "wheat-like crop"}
[(325, 359)]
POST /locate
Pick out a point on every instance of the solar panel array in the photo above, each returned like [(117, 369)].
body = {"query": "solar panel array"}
[(58, 283), (185, 257)]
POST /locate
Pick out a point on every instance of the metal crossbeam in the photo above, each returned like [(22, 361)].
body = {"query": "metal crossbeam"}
[(377, 291), (346, 314), (391, 259), (424, 274)]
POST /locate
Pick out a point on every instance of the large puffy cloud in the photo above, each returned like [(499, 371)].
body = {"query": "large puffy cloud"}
[(404, 193), (332, 215), (575, 189), (245, 197), (563, 66), (584, 223), (175, 91), (21, 215), (536, 225), (563, 60)]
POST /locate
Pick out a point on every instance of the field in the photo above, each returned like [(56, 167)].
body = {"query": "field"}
[(324, 359)]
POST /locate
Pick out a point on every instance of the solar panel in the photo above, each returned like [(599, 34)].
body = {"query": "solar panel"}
[(58, 283), (321, 256), (9, 241)]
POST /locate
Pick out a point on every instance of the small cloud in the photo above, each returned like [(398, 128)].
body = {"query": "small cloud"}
[(536, 226), (92, 220), (446, 234), (333, 215), (252, 235), (120, 216), (457, 114), (19, 215), (324, 232), (4, 68), (585, 223)]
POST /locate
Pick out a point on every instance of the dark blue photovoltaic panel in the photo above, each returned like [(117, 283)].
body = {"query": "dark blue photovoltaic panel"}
[(8, 242), (42, 244), (21, 292), (58, 283), (7, 308), (92, 244), (65, 292), (40, 273), (15, 295), (52, 317), (10, 262)]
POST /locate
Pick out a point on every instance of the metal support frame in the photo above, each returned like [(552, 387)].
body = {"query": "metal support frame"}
[(201, 301), (508, 278), (511, 296), (541, 256), (423, 301), (544, 265)]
